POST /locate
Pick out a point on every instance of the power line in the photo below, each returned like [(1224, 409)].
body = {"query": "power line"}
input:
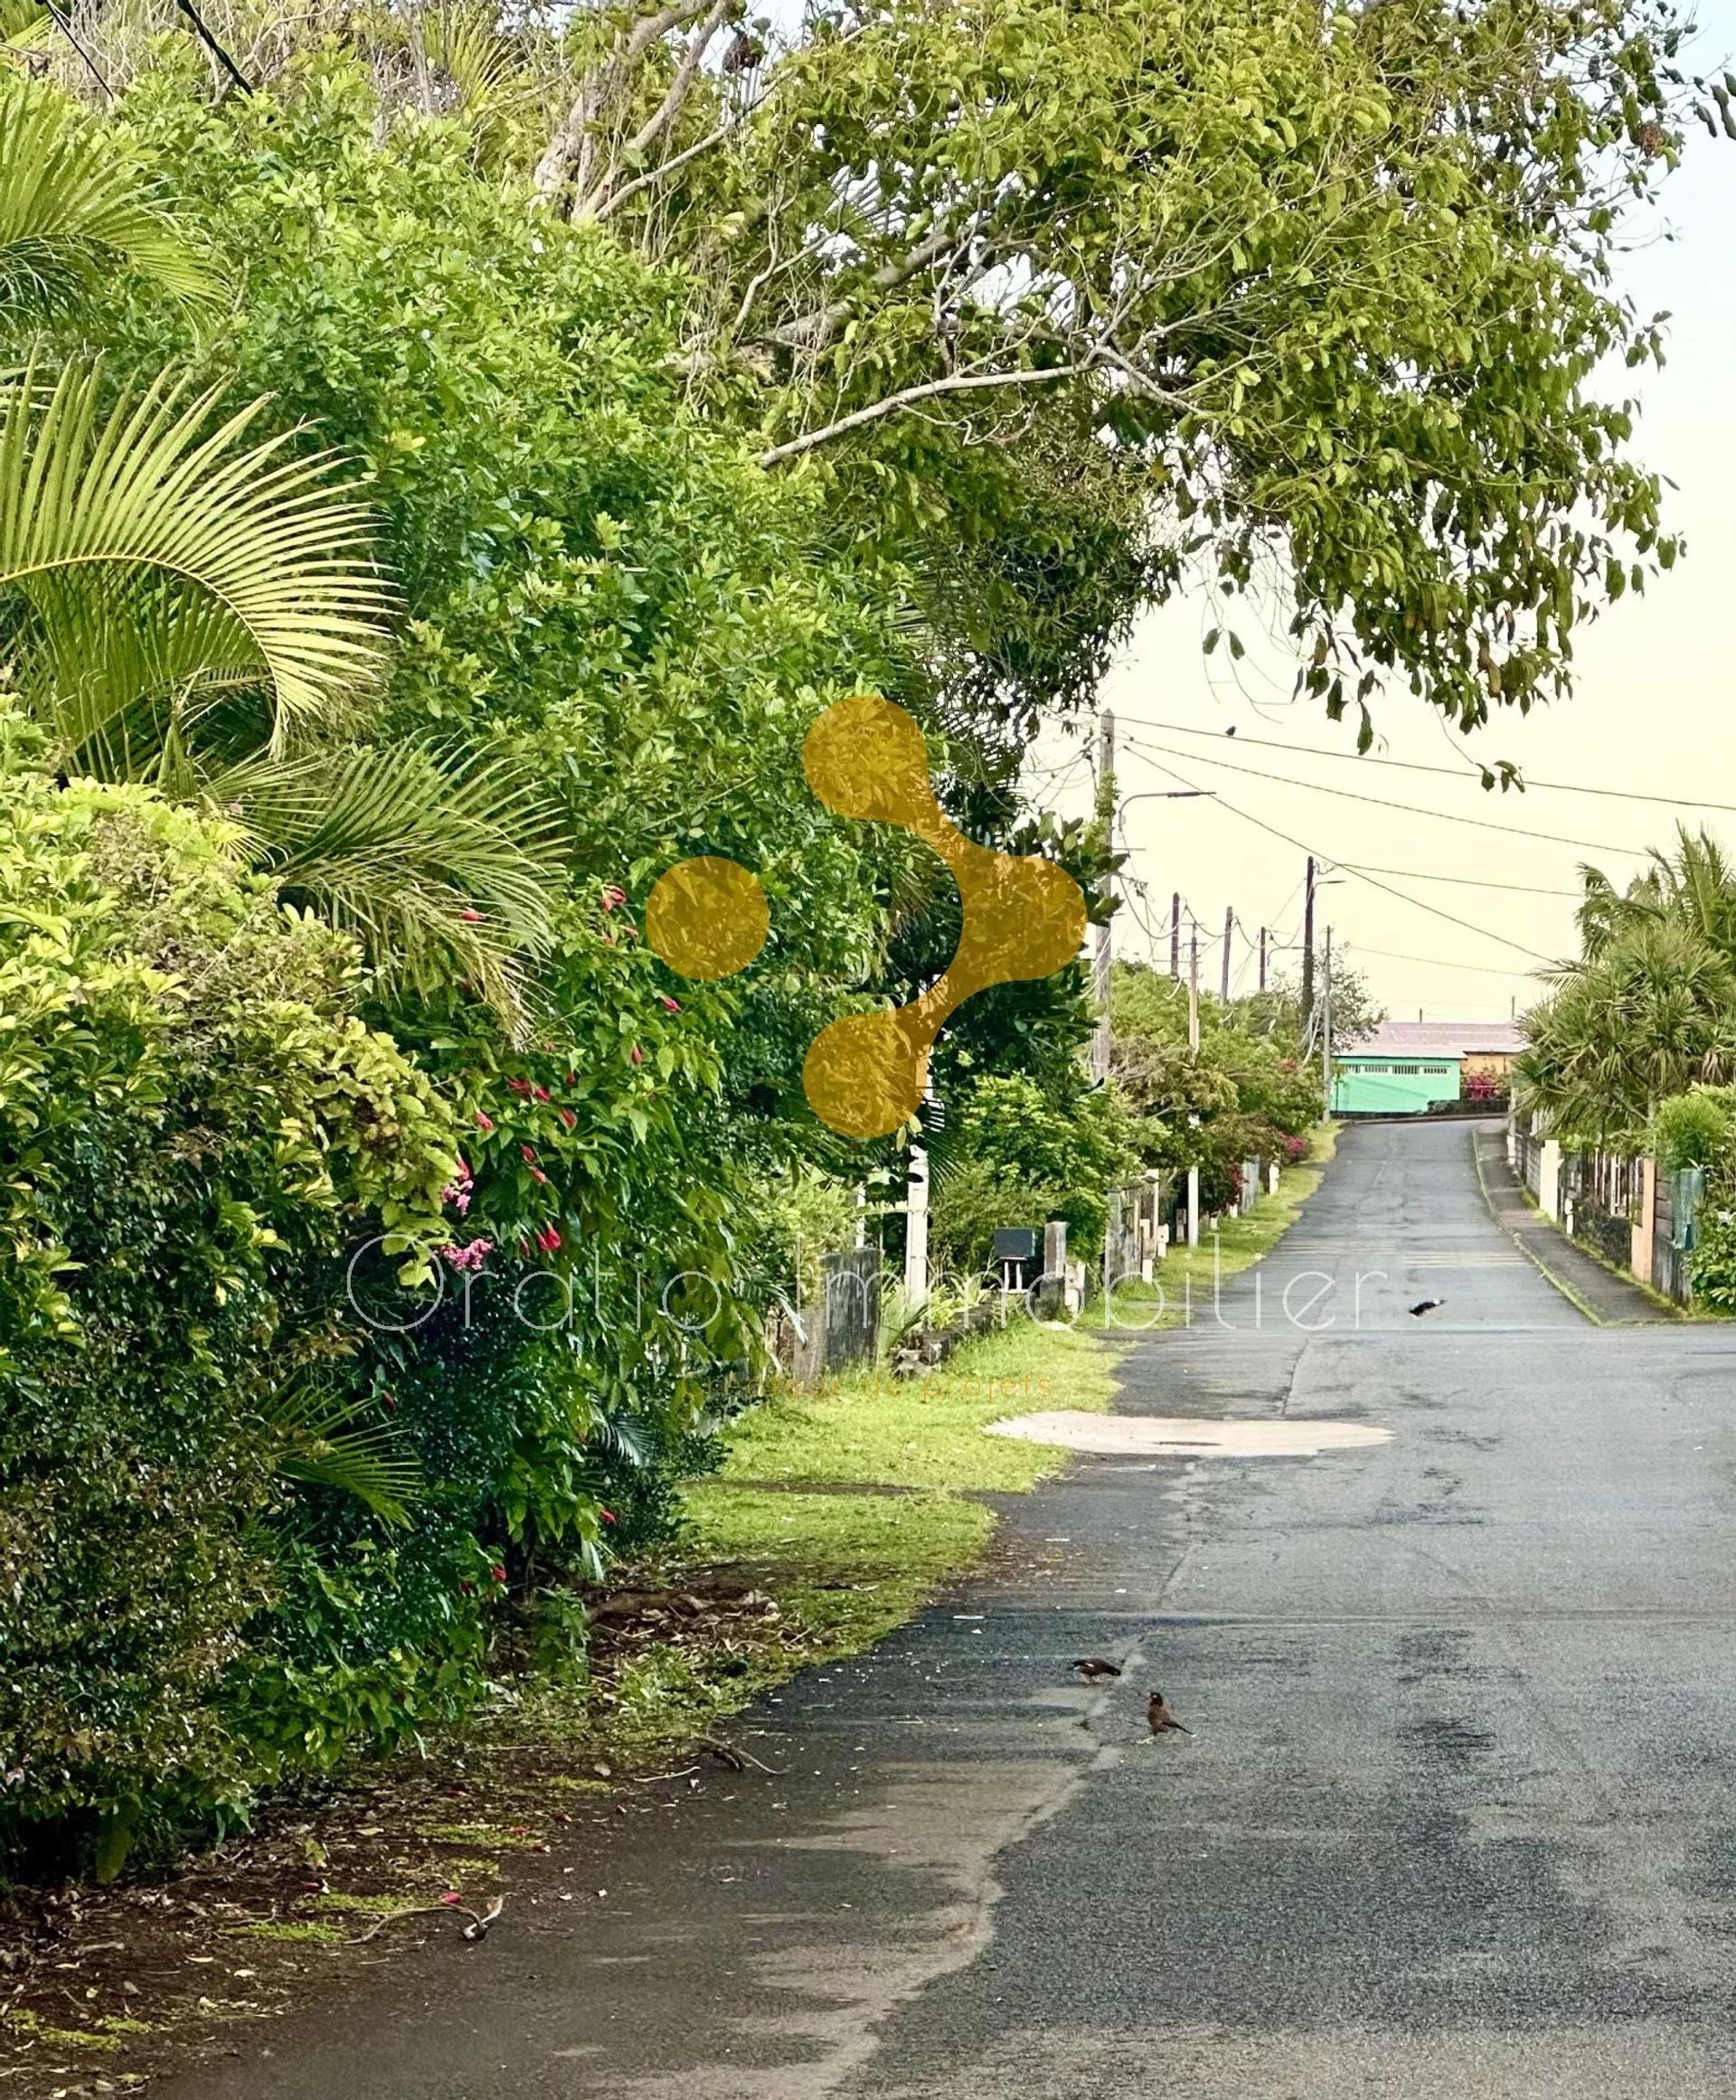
[(1403, 808), (1432, 962), (1446, 772), (1473, 881), (1434, 911)]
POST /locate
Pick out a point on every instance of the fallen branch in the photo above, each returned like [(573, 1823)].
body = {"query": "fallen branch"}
[(737, 1760), (477, 1928)]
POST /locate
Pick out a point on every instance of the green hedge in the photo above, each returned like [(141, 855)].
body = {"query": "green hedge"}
[(194, 1127)]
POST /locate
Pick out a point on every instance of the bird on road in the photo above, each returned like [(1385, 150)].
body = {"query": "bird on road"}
[(1163, 1722), (1090, 1667), (1425, 1305)]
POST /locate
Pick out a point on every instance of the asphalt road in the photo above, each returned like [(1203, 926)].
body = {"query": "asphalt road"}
[(1457, 1815)]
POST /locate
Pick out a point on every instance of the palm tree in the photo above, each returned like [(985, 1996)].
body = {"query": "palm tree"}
[(187, 601), (1649, 1009)]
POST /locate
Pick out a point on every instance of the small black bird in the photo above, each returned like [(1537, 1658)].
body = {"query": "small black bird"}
[(1163, 1722), (1094, 1666), (1425, 1305), (1231, 731)]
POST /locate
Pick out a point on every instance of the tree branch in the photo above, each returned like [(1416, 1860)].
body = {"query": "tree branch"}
[(667, 111), (571, 141), (957, 383)]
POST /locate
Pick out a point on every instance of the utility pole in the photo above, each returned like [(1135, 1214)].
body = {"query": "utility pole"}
[(1325, 1025), (1101, 974), (1262, 959), (1307, 952), (1229, 928), (1176, 936), (1193, 1046)]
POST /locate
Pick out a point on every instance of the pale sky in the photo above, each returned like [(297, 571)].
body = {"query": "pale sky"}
[(1652, 713)]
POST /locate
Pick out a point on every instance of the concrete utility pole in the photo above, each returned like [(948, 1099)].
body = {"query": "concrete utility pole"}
[(1194, 1045), (1101, 974), (1308, 951), (1262, 959), (1229, 928), (1176, 936), (1325, 1025)]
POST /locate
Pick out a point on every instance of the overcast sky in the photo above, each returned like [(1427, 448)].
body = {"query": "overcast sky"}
[(1652, 715)]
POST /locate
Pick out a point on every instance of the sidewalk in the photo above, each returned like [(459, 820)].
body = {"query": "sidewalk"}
[(1607, 1299)]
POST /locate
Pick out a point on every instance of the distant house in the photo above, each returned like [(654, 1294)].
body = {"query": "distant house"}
[(1405, 1067)]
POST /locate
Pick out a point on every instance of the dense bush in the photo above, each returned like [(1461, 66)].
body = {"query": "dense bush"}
[(1015, 1153), (1689, 1130), (194, 1125)]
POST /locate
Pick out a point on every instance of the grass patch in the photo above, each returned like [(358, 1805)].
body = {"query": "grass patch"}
[(303, 1931), (1187, 1277), (868, 1429)]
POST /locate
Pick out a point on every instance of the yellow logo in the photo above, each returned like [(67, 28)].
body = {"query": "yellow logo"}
[(1024, 918)]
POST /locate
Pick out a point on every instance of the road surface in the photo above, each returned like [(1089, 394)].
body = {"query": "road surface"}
[(1458, 1815)]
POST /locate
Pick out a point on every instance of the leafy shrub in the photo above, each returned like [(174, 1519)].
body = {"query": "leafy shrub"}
[(193, 1124), (1689, 1130)]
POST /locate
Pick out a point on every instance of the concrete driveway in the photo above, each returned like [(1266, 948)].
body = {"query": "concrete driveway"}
[(1458, 1815)]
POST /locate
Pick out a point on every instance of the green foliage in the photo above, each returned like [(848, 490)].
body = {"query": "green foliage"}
[(1713, 1263), (1246, 1094), (1330, 290), (1015, 1153), (1648, 1011), (193, 1124), (1689, 1130)]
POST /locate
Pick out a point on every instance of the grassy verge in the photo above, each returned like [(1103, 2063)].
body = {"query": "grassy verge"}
[(1189, 1273)]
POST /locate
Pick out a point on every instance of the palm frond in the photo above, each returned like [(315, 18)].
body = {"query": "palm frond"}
[(436, 860), (73, 210), (149, 488), (114, 661), (323, 1440)]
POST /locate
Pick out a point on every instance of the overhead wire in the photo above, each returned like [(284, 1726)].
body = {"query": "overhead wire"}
[(1471, 768), (1379, 801), (1417, 903)]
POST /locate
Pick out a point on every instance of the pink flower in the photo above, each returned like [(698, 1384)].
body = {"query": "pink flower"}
[(519, 1087), (470, 917), (613, 895), (540, 1093), (498, 1572), (528, 1154), (539, 1177), (606, 1515), (485, 1123), (548, 1240), (469, 1257), (671, 1005), (637, 1054), (569, 1119)]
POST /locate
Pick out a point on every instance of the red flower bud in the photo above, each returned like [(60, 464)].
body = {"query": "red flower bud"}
[(540, 1093), (470, 917), (528, 1153), (498, 1572), (637, 1054), (483, 1123), (671, 1005), (569, 1119)]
